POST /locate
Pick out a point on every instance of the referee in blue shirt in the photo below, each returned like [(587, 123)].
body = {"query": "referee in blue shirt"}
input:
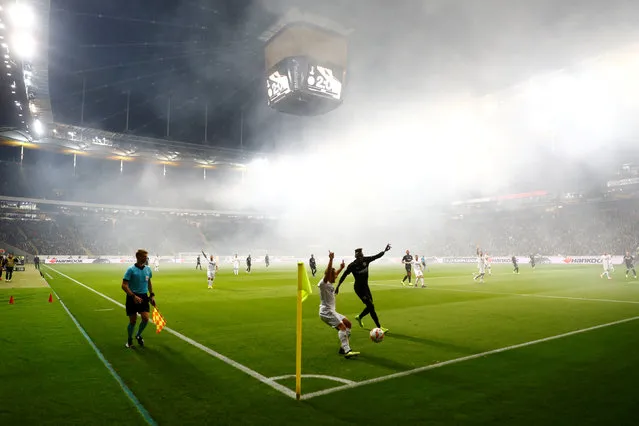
[(139, 293)]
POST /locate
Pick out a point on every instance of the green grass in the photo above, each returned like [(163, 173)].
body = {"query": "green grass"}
[(50, 373)]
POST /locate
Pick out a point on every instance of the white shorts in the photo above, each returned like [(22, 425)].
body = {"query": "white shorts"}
[(210, 275), (419, 274), (332, 318), (481, 270)]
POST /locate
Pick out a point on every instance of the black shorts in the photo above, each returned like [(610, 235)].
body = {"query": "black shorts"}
[(364, 293), (133, 308), (407, 266)]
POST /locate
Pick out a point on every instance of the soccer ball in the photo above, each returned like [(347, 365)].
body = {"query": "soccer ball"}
[(377, 335)]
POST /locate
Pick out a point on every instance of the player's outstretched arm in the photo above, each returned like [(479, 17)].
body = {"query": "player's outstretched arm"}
[(349, 270), (331, 255), (369, 259)]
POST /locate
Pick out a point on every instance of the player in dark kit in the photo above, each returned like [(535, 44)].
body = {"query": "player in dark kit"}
[(407, 260), (359, 269), (199, 263), (267, 260), (629, 260), (532, 261), (312, 265), (515, 266), (248, 264)]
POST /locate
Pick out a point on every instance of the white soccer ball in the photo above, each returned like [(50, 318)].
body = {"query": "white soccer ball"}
[(377, 335)]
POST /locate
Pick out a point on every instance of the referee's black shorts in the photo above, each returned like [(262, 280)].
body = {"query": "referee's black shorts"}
[(364, 293), (133, 308)]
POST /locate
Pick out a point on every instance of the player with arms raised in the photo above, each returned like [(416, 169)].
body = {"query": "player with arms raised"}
[(359, 269), (327, 311), (211, 269), (481, 266)]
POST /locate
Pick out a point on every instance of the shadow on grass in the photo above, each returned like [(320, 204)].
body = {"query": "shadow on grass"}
[(382, 362), (433, 343)]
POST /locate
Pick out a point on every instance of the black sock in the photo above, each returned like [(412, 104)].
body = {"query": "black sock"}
[(364, 312), (374, 316)]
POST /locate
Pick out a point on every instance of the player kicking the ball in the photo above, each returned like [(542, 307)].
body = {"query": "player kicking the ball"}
[(359, 269), (327, 312)]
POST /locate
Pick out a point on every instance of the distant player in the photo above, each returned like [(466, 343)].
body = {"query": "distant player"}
[(605, 262), (199, 263), (248, 264), (359, 269), (407, 260), (419, 273), (156, 263), (532, 261), (327, 311), (211, 269), (312, 265), (481, 266), (489, 263), (236, 265), (515, 265), (629, 260), (424, 265), (267, 260)]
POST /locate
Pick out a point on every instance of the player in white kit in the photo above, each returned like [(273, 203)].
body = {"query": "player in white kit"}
[(211, 269), (606, 262), (481, 266), (156, 263), (489, 263), (236, 265), (327, 312), (419, 273)]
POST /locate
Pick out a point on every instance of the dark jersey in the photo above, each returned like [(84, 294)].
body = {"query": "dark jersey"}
[(407, 259), (248, 260), (514, 260), (359, 269), (198, 260), (629, 260), (311, 262)]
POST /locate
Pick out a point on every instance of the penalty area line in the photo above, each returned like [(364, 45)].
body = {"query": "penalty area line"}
[(462, 359), (273, 384)]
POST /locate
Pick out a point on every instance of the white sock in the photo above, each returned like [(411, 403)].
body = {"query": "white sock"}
[(343, 337)]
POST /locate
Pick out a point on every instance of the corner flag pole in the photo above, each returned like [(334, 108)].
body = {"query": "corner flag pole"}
[(298, 341)]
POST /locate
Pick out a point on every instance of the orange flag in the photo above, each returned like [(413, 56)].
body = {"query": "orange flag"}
[(159, 320)]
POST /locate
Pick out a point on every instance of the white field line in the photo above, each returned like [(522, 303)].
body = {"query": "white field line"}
[(541, 296), (286, 391), (315, 376), (462, 359)]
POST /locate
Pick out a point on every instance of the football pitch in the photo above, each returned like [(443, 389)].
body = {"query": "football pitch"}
[(555, 346)]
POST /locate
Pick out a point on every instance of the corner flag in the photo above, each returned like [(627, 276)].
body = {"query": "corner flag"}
[(158, 320), (303, 291)]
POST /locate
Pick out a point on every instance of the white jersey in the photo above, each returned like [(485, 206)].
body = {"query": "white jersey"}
[(417, 267), (236, 263), (212, 267), (606, 261), (327, 297), (156, 261), (481, 263)]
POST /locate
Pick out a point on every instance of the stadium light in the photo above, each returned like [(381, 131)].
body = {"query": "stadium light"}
[(22, 16), (24, 45), (38, 127)]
